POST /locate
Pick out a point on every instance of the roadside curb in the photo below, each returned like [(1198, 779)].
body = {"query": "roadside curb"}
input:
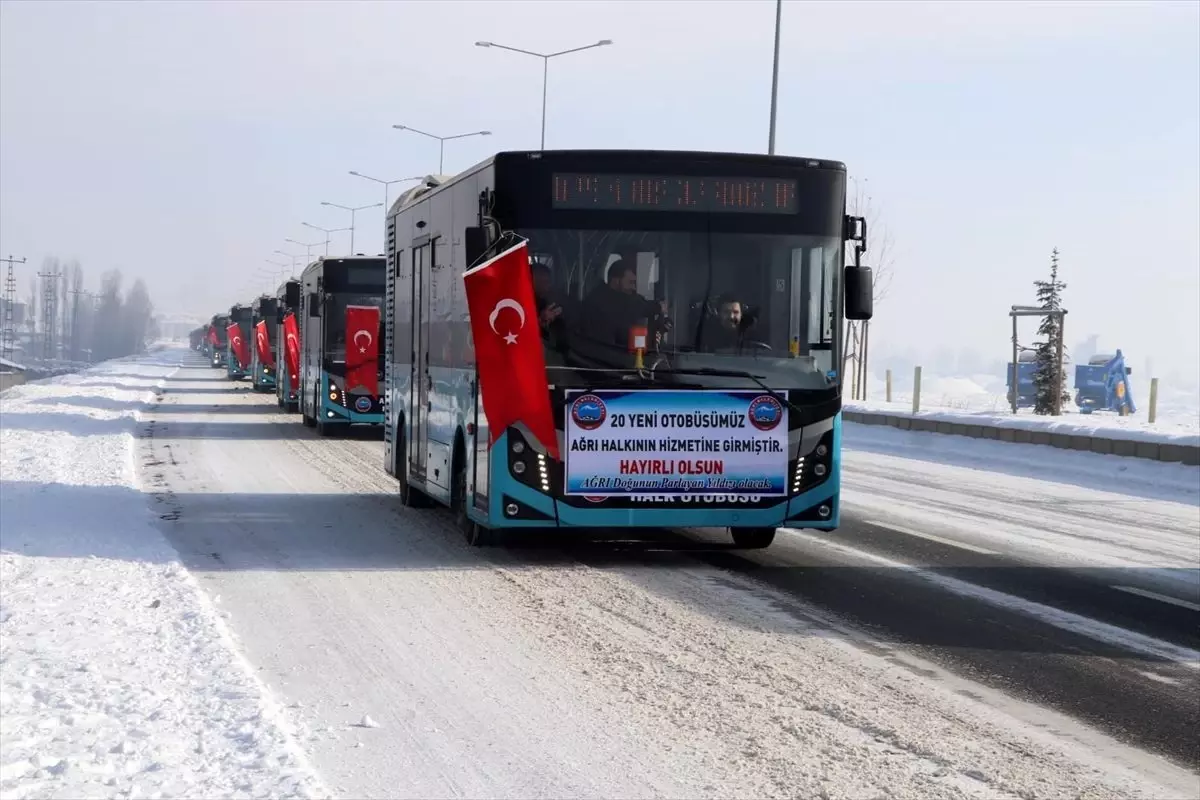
[(1188, 454)]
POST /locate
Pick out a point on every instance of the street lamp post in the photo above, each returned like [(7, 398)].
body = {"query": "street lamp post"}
[(545, 57), (308, 247), (352, 211), (328, 231), (442, 140), (292, 256), (386, 184), (775, 78), (281, 269)]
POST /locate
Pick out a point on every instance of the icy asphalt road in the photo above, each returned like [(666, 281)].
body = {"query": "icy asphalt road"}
[(931, 657)]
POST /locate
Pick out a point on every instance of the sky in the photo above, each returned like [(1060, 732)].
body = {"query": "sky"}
[(184, 143)]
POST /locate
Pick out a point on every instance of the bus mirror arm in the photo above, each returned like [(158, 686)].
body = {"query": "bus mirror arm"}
[(475, 243)]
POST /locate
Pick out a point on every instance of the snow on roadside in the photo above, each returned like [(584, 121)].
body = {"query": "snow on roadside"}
[(1174, 430), (117, 675)]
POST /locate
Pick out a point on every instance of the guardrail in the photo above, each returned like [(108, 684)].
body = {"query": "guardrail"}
[(1117, 441)]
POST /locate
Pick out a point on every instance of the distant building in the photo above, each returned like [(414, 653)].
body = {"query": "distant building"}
[(11, 374)]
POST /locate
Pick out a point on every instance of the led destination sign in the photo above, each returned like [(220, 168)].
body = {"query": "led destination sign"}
[(608, 192)]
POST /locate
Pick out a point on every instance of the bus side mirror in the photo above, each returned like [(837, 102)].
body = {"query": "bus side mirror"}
[(1129, 370), (475, 242), (860, 293), (314, 308)]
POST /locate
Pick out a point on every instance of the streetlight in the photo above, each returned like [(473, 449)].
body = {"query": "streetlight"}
[(442, 140), (775, 78), (545, 57), (284, 269), (327, 231), (386, 184), (308, 247), (292, 256), (352, 211)]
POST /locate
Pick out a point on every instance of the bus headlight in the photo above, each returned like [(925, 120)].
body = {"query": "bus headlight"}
[(814, 467)]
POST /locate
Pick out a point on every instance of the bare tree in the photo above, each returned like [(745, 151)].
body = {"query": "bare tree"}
[(880, 256)]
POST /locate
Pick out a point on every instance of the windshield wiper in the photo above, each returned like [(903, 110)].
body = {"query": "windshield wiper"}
[(619, 376), (735, 373)]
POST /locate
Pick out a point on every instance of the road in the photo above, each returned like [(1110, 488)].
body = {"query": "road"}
[(904, 654)]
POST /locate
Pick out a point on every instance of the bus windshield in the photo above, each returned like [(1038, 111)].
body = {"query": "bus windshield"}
[(335, 321), (762, 303)]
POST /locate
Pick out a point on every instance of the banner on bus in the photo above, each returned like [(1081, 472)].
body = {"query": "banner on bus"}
[(662, 442)]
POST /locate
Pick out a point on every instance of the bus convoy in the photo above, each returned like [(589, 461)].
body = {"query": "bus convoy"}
[(657, 340)]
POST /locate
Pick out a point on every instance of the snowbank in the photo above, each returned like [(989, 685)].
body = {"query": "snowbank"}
[(986, 396), (119, 677), (1094, 425)]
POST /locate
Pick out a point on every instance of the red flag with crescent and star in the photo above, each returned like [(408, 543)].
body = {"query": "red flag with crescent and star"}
[(263, 340), (213, 339), (238, 344), (291, 348), (508, 346), (362, 349)]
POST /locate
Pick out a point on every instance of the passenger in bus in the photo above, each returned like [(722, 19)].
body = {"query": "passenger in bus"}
[(549, 311), (610, 309), (614, 307)]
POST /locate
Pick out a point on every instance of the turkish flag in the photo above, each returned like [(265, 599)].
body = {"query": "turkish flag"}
[(238, 345), (291, 347), (212, 335), (362, 348), (508, 346), (263, 340)]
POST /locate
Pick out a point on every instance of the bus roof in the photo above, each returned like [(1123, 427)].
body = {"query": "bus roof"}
[(430, 184), (320, 262)]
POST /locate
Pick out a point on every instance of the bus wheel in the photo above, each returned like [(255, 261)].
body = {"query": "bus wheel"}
[(409, 497), (475, 534), (752, 538)]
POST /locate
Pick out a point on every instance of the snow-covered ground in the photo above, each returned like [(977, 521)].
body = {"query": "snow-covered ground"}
[(1178, 415), (117, 674)]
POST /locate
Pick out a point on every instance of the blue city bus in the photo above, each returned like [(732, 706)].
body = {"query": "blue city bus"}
[(287, 300), (327, 287), (217, 355), (262, 375), (239, 315), (693, 370)]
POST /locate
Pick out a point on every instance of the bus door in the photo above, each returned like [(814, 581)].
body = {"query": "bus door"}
[(418, 448)]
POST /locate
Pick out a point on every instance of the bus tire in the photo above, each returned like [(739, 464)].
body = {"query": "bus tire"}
[(752, 538), (475, 534), (410, 497)]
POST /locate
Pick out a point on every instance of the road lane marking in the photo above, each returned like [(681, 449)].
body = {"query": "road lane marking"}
[(950, 542), (1162, 598), (1058, 618)]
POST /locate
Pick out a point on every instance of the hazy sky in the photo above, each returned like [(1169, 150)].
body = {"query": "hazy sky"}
[(184, 142)]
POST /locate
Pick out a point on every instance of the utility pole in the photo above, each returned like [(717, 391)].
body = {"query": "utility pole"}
[(49, 311), (8, 335), (76, 333)]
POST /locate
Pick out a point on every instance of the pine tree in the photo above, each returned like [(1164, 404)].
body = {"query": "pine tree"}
[(1045, 377)]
